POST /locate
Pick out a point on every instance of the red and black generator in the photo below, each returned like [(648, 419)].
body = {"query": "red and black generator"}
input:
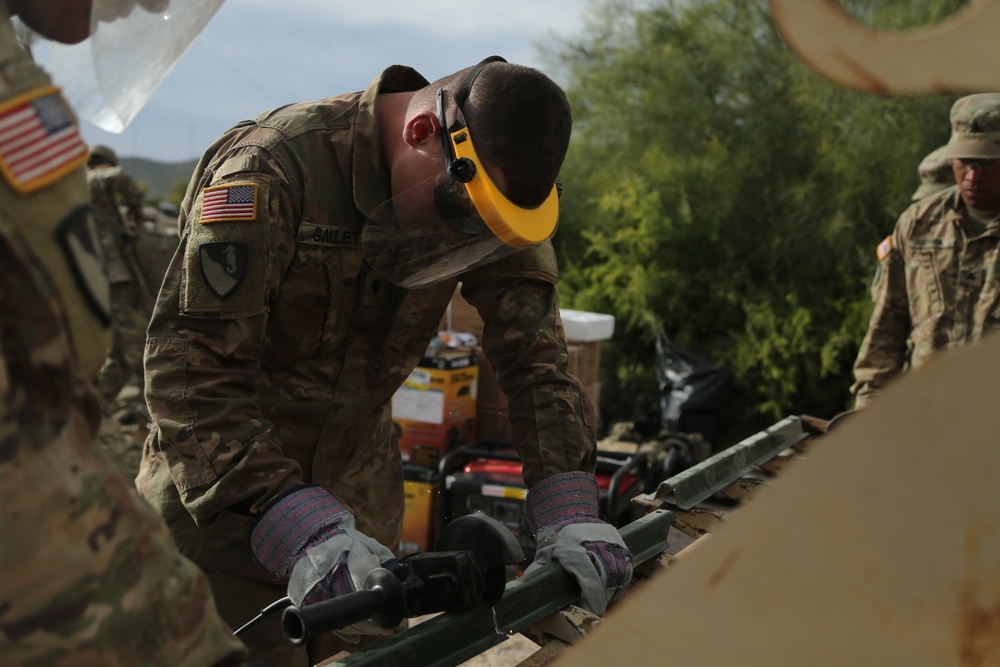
[(485, 476)]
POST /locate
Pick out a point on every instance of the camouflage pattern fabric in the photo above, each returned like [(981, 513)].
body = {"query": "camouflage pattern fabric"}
[(129, 317), (130, 307), (91, 575), (274, 350), (936, 288), (109, 187), (975, 127), (935, 174)]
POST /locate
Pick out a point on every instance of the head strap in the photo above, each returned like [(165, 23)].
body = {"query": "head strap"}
[(462, 93)]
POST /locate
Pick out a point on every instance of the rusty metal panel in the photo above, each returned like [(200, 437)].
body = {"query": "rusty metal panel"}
[(882, 547), (955, 55)]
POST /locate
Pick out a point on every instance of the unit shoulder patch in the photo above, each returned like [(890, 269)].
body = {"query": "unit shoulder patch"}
[(223, 266), (39, 140), (233, 202)]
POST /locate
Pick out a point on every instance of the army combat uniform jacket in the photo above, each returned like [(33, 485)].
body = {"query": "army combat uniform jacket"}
[(937, 288), (90, 574), (107, 184), (274, 349)]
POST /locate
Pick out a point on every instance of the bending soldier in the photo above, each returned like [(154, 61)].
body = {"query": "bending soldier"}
[(320, 246)]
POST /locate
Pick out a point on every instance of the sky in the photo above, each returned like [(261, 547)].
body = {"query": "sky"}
[(259, 54)]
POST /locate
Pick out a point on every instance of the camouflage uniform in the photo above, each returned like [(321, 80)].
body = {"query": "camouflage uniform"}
[(937, 285), (130, 306), (90, 572), (937, 288), (274, 350)]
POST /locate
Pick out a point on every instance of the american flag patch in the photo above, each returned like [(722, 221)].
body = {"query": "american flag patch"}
[(228, 203), (884, 248), (39, 140)]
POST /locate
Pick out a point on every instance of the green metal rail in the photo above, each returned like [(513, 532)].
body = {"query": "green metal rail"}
[(690, 487), (450, 639)]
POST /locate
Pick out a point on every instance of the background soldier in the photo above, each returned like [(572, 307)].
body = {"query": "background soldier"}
[(131, 301), (91, 575), (935, 174), (937, 286)]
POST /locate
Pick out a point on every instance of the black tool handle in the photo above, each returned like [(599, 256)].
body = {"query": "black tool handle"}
[(383, 600)]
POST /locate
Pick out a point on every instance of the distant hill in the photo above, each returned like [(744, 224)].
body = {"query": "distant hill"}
[(159, 177)]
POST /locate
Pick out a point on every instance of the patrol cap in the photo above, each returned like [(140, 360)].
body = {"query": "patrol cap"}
[(975, 127), (935, 173), (103, 152)]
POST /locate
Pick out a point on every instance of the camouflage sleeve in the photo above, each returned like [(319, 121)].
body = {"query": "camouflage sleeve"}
[(96, 577), (126, 188), (91, 574), (552, 420), (206, 340), (883, 351)]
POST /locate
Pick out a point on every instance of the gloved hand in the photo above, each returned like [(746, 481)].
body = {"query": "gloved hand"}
[(309, 536), (563, 515)]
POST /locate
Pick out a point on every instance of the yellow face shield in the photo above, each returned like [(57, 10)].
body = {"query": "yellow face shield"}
[(514, 225), (456, 219)]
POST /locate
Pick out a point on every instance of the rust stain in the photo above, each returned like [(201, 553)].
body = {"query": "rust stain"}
[(977, 627), (716, 577)]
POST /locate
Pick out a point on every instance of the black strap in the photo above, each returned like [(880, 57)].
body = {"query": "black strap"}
[(462, 93)]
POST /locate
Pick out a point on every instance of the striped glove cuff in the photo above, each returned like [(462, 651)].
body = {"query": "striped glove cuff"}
[(295, 520), (563, 499)]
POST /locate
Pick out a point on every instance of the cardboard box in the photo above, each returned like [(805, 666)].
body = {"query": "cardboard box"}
[(584, 361), (420, 489), (435, 409)]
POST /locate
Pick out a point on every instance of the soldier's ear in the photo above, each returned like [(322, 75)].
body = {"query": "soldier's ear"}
[(419, 129)]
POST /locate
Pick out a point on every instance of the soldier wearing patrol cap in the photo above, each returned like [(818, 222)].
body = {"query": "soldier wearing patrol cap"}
[(90, 574), (131, 300), (937, 285), (320, 246), (935, 174)]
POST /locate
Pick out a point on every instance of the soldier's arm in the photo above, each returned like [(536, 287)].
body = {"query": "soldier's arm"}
[(130, 194), (882, 355), (553, 423), (206, 343)]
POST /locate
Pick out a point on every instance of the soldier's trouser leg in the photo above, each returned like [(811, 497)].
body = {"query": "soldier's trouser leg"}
[(239, 599)]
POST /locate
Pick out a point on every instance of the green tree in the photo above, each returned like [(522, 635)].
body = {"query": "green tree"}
[(719, 191)]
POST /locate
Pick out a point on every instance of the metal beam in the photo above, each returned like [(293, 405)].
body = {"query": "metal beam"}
[(701, 481), (450, 639)]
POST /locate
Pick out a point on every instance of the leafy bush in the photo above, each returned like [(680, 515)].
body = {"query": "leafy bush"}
[(721, 192)]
